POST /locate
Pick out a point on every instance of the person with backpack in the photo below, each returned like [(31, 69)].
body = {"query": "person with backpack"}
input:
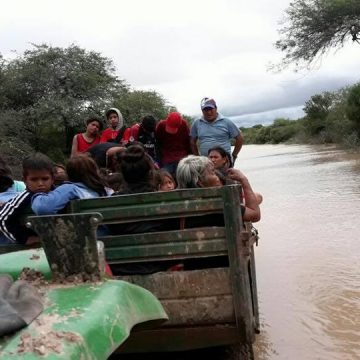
[(116, 130), (144, 133)]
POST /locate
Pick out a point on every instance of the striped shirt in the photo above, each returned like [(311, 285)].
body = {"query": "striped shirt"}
[(11, 214)]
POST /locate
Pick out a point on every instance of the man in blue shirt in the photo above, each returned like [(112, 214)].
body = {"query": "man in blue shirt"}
[(213, 129)]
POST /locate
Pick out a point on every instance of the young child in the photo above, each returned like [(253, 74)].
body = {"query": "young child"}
[(85, 182), (165, 182), (117, 132), (38, 175)]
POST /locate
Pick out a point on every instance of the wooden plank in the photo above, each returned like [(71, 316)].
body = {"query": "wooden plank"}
[(119, 213), (147, 198), (167, 245), (166, 251), (184, 284), (238, 261), (254, 295), (199, 311), (203, 233), (195, 297)]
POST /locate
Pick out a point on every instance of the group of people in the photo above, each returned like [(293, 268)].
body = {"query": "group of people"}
[(146, 157), (166, 141)]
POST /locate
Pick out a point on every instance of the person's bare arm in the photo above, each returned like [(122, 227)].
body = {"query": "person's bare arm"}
[(193, 145), (74, 147), (252, 209), (237, 147)]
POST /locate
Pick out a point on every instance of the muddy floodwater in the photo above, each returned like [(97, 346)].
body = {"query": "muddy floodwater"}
[(308, 259)]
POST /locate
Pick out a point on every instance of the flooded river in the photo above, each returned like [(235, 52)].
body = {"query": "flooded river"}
[(308, 259)]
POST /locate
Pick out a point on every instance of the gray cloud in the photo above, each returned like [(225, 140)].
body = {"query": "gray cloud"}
[(183, 50), (289, 94), (268, 117)]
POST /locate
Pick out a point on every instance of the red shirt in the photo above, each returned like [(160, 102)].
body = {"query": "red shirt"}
[(109, 134), (126, 136), (134, 133), (83, 145), (173, 147)]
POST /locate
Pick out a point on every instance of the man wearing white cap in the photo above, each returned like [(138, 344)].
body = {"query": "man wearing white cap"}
[(213, 129)]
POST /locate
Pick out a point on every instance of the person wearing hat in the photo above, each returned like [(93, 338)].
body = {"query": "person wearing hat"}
[(173, 138), (214, 129)]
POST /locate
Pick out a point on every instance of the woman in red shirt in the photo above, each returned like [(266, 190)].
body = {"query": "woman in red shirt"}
[(83, 141)]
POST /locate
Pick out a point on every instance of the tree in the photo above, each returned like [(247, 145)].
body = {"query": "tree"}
[(312, 27), (135, 104), (316, 110), (50, 91), (353, 107)]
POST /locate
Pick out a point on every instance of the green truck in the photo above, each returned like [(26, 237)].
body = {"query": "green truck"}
[(209, 301)]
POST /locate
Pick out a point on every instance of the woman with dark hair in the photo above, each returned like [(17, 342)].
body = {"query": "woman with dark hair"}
[(84, 182), (83, 141), (220, 158), (222, 163), (137, 169)]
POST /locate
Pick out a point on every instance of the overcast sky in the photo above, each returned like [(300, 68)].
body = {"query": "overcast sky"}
[(184, 50)]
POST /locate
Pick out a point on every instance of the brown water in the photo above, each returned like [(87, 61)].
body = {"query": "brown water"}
[(308, 259)]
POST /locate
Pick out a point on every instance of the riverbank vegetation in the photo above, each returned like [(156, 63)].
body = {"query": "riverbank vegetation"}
[(330, 117), (47, 93)]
